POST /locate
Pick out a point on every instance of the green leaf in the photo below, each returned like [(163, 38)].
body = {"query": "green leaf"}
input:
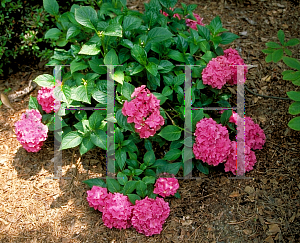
[(292, 42), (78, 65), (95, 182), (149, 180), (167, 91), (152, 68), (53, 33), (119, 76), (82, 93), (72, 32), (94, 64), (281, 36), (171, 168), (295, 123), (202, 168), (95, 120), (120, 157), (294, 95), (148, 145), (131, 23), (228, 37), (268, 51), (127, 90), (122, 178), (165, 66), (277, 55), (100, 96), (111, 58), (216, 24), (176, 55), (99, 139), (288, 52), (158, 34), (112, 185), (89, 50), (141, 189), (269, 58), (45, 80), (208, 56), (170, 133), (173, 154), (272, 44), (33, 104), (71, 140), (129, 187), (197, 115), (292, 76), (177, 195), (86, 16), (139, 54), (203, 31), (86, 145), (149, 158), (225, 116), (160, 97), (133, 198), (294, 108), (119, 137), (51, 6), (113, 30), (292, 62)]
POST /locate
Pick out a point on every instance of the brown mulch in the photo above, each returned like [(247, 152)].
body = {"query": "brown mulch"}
[(213, 208)]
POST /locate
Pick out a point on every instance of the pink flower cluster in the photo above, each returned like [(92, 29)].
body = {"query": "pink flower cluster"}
[(30, 131), (174, 16), (223, 69), (192, 23), (234, 59), (166, 186), (217, 72), (144, 112), (46, 99), (147, 216), (212, 142), (255, 137), (231, 163)]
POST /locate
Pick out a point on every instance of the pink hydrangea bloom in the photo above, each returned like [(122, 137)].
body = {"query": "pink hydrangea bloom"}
[(117, 211), (149, 215), (46, 99), (212, 142), (30, 131), (143, 110), (231, 164), (97, 197), (174, 16), (166, 186), (217, 72), (192, 23), (234, 58), (255, 137)]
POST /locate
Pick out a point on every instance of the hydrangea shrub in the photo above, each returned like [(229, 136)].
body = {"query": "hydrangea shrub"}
[(148, 51)]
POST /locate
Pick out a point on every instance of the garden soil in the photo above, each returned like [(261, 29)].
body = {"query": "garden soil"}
[(264, 207)]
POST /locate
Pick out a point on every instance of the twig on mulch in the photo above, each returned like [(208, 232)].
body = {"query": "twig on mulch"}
[(31, 86), (240, 222)]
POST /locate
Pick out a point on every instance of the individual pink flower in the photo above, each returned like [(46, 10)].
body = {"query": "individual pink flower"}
[(149, 215), (143, 110), (255, 137), (212, 142), (117, 211), (234, 59), (30, 131), (231, 163), (46, 99), (217, 72), (96, 197), (166, 186), (192, 23)]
